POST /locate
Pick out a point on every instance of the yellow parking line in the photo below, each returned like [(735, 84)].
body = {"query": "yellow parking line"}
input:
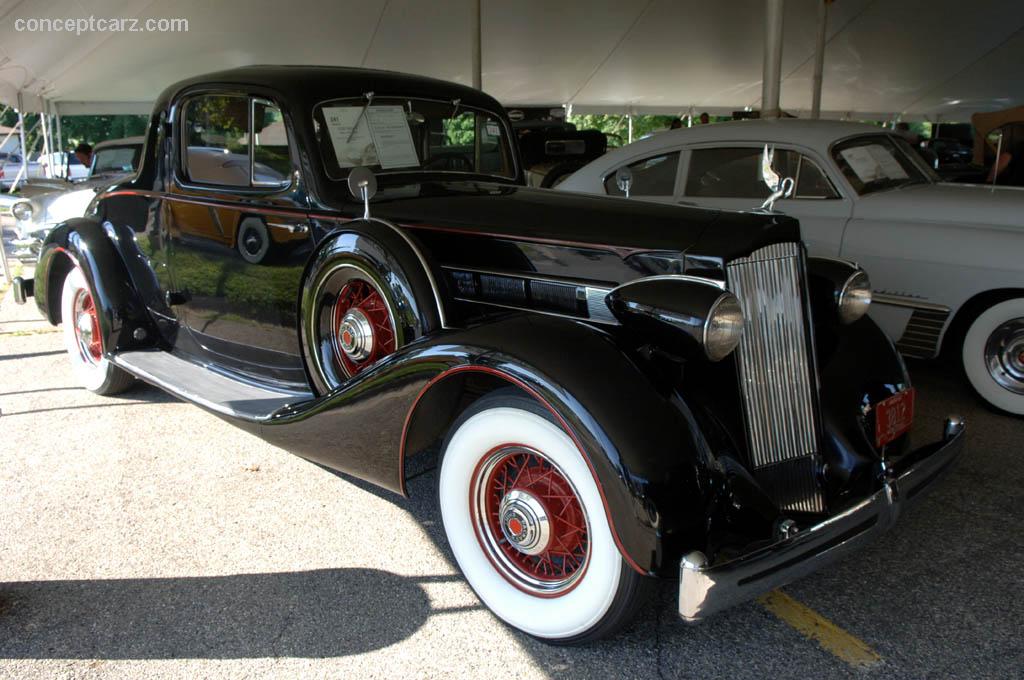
[(813, 625)]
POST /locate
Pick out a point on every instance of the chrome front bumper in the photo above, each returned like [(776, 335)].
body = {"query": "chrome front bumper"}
[(705, 589)]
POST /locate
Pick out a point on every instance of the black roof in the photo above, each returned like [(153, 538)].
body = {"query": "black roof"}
[(309, 85)]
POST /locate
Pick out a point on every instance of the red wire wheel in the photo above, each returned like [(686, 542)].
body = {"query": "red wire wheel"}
[(529, 520), (363, 328), (87, 327)]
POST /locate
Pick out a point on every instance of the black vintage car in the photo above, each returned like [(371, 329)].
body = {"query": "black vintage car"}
[(346, 263)]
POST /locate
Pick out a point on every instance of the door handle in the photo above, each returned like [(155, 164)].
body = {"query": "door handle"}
[(291, 227)]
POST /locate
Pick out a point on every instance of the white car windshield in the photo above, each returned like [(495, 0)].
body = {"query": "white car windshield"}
[(116, 159), (877, 162)]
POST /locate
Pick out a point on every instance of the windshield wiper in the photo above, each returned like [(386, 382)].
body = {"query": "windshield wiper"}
[(369, 100)]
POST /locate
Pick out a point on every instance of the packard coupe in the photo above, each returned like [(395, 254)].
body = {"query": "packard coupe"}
[(347, 264)]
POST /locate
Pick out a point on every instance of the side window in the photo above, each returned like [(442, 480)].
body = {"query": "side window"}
[(217, 147), (736, 173), (655, 176), (271, 163), (811, 181), (727, 173)]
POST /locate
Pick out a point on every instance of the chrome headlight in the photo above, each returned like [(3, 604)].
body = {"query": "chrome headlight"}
[(723, 328), (855, 297), (22, 211), (686, 314)]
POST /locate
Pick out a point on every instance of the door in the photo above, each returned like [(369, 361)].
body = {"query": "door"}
[(237, 217), (729, 177)]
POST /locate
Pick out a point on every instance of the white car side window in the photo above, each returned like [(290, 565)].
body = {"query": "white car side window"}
[(735, 172)]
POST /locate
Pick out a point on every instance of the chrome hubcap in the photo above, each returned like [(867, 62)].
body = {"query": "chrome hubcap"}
[(524, 522), (355, 335), (1004, 355)]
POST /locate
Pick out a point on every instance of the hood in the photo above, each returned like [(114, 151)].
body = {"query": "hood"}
[(961, 204), (495, 209)]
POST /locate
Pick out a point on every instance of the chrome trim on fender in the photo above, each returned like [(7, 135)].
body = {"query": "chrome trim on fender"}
[(906, 301), (705, 589)]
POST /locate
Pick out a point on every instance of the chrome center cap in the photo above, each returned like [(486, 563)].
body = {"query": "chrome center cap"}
[(524, 522), (84, 324), (355, 335)]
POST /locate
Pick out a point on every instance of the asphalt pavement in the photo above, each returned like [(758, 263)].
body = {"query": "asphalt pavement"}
[(142, 537)]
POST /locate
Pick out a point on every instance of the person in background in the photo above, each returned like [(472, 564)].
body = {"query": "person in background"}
[(904, 131), (83, 152), (675, 124), (705, 118)]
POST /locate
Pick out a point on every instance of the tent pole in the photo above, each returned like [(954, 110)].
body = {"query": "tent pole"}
[(772, 77), (819, 58), (629, 128), (24, 152), (60, 140), (45, 120), (478, 80)]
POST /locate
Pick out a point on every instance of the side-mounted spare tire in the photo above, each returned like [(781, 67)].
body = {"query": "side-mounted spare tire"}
[(367, 293)]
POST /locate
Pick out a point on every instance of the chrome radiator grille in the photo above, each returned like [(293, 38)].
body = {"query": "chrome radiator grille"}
[(775, 365)]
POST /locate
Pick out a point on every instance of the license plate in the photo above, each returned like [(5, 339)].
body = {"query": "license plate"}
[(894, 416)]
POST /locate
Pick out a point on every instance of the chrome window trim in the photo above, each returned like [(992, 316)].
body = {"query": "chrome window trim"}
[(180, 170)]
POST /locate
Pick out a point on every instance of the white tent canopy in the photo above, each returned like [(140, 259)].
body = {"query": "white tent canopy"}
[(918, 59)]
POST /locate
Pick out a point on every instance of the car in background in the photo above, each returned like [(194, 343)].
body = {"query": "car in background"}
[(63, 165), (945, 259), (552, 148), (11, 166), (46, 203)]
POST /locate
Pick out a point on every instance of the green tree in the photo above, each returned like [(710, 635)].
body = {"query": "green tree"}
[(77, 129)]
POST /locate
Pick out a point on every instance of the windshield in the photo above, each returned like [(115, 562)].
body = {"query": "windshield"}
[(877, 162), (116, 159), (402, 135)]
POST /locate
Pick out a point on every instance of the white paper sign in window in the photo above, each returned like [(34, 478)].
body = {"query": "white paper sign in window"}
[(376, 135), (873, 162)]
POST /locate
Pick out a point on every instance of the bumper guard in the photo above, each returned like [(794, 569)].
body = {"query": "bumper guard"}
[(704, 589)]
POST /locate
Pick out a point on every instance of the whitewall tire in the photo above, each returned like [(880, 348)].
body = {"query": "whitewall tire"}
[(527, 525), (993, 355), (84, 341)]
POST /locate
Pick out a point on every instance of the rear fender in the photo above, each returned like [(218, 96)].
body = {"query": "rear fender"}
[(87, 244)]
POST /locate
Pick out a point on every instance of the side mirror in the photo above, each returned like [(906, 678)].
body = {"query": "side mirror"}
[(624, 180), (363, 185)]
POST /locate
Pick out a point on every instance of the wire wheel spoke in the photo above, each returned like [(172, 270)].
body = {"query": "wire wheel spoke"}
[(532, 520)]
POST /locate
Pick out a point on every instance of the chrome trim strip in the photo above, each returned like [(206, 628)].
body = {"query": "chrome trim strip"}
[(675, 277), (494, 272), (906, 301), (774, 362), (705, 589), (610, 320)]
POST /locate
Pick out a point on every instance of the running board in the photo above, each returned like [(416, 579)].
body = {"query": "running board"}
[(211, 389)]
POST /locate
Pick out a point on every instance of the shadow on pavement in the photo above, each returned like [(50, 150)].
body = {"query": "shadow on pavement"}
[(308, 614), (30, 355)]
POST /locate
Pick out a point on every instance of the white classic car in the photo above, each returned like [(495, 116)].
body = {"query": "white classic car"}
[(946, 260), (47, 203)]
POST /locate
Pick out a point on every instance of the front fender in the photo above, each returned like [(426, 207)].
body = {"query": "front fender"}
[(648, 468), (87, 244)]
